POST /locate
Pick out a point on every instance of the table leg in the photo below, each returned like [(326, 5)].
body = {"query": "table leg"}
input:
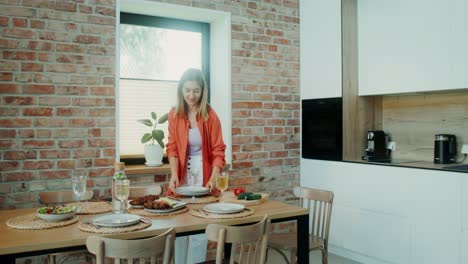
[(9, 259), (303, 239)]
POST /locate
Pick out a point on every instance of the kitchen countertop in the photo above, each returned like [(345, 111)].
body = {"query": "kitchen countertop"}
[(419, 164)]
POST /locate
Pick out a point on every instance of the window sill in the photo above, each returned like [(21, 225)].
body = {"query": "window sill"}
[(163, 169)]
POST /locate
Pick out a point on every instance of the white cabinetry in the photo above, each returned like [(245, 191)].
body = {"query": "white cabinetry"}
[(320, 48), (412, 46)]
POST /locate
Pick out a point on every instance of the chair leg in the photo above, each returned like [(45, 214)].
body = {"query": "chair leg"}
[(324, 256), (51, 259), (281, 254)]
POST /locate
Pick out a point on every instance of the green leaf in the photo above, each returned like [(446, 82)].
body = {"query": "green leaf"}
[(154, 116), (160, 142), (158, 134), (163, 118), (146, 137), (146, 122)]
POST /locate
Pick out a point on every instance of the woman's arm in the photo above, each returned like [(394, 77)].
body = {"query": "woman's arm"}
[(174, 180), (172, 155), (218, 147)]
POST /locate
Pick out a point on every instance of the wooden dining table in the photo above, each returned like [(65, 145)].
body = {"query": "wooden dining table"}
[(15, 243)]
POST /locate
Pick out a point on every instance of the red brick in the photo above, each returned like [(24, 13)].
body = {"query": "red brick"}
[(26, 133), (43, 133), (39, 45), (64, 68), (56, 174), (37, 112), (248, 105), (106, 11), (8, 43), (37, 24), (86, 39), (72, 112), (101, 172), (86, 9), (34, 67), (102, 112), (101, 143), (8, 88), (49, 122), (18, 100), (54, 154), (101, 20), (15, 122), (4, 21), (86, 153), (73, 48), (19, 55), (106, 91), (18, 33), (9, 165), (104, 162), (20, 22), (77, 143), (71, 7), (66, 164), (67, 58), (8, 144), (42, 56), (71, 27), (38, 164), (38, 143), (6, 76), (38, 89), (7, 133)]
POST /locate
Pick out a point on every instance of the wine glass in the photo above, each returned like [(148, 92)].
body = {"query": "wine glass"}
[(79, 186), (222, 183), (192, 180), (122, 191)]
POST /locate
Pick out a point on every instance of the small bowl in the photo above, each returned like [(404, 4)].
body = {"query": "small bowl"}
[(56, 217)]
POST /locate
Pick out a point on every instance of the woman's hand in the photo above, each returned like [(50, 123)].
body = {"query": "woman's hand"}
[(211, 184), (173, 183)]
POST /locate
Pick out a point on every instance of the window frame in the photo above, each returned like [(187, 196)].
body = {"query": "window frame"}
[(176, 24)]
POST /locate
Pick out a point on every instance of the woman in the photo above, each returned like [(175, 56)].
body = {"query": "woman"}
[(195, 150), (195, 145)]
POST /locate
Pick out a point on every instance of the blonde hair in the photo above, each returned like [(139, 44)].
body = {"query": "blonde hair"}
[(197, 76)]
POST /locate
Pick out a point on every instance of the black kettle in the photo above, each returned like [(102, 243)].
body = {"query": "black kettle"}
[(445, 148)]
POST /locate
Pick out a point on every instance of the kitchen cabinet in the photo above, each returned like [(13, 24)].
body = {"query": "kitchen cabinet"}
[(412, 46), (320, 48)]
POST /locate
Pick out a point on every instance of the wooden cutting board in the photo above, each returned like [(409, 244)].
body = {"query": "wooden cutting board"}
[(229, 197)]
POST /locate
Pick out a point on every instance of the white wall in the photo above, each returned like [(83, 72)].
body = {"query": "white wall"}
[(386, 214)]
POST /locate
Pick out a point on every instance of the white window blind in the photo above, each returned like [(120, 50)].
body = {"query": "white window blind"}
[(151, 62)]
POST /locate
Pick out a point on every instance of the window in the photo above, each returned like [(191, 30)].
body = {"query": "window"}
[(154, 52)]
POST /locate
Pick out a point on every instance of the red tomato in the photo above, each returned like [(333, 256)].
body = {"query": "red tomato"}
[(238, 191)]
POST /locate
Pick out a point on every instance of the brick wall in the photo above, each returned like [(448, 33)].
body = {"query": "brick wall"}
[(57, 110)]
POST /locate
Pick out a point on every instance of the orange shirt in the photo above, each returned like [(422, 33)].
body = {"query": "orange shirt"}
[(213, 146)]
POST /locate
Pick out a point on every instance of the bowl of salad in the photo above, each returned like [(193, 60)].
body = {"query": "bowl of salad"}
[(56, 213)]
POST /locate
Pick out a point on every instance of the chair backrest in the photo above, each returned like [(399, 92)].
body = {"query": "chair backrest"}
[(319, 203), (250, 240), (66, 196), (140, 191), (157, 247)]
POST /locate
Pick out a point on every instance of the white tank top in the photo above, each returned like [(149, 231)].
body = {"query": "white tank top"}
[(195, 142)]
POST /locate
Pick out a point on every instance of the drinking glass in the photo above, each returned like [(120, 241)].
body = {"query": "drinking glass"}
[(122, 191), (222, 183), (79, 187)]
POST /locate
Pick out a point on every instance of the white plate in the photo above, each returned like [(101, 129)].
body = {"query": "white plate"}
[(116, 220), (175, 206), (223, 208), (192, 190)]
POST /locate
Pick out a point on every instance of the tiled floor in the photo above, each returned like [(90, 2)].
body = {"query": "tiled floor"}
[(315, 258)]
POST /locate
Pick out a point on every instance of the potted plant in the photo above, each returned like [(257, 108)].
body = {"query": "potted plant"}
[(153, 152)]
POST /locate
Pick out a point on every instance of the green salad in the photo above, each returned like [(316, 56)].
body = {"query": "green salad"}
[(57, 210)]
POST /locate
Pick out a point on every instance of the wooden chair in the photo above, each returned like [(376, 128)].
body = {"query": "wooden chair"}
[(161, 246), (61, 197), (320, 204), (139, 191), (249, 243)]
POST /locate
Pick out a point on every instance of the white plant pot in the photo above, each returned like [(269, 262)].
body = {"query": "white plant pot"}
[(153, 155)]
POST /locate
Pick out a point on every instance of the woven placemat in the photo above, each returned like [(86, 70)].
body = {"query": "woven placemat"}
[(197, 200), (33, 222), (87, 227), (92, 208), (199, 212), (142, 212)]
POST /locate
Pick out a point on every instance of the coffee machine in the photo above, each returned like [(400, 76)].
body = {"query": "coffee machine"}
[(377, 146), (445, 148)]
